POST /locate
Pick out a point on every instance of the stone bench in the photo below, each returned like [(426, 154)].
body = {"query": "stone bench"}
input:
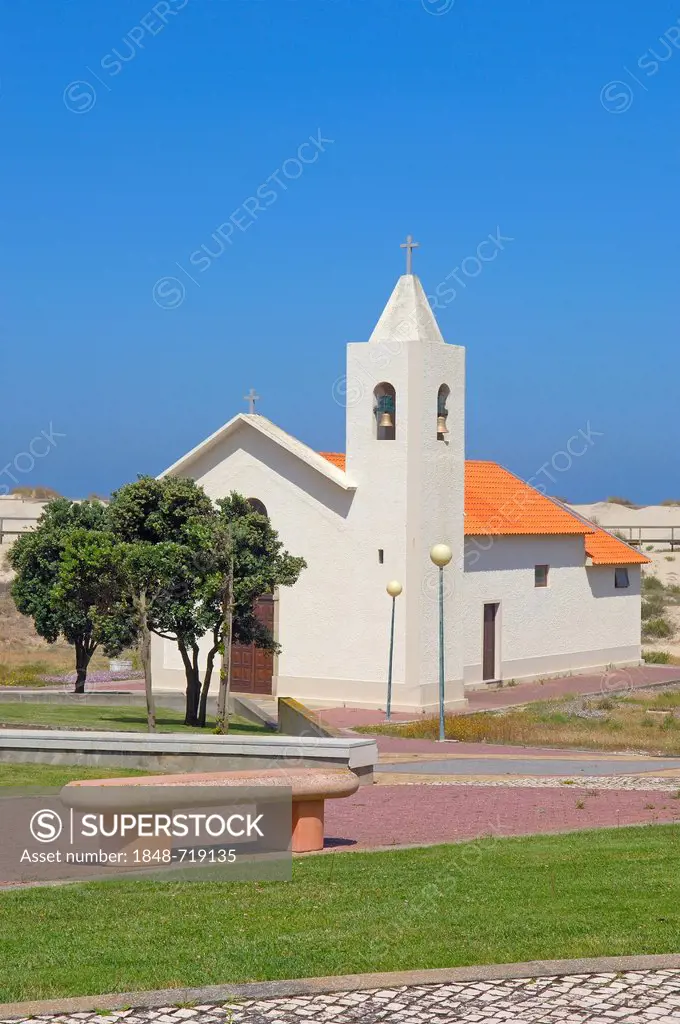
[(310, 787)]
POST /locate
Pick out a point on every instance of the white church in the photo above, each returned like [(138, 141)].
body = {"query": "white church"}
[(532, 590)]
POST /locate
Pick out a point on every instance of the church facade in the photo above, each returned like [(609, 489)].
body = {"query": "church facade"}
[(532, 589)]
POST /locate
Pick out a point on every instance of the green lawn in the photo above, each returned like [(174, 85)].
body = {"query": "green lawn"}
[(117, 717), (492, 901), (55, 775)]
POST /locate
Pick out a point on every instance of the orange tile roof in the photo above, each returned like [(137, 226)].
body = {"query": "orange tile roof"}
[(337, 458), (604, 549), (498, 503)]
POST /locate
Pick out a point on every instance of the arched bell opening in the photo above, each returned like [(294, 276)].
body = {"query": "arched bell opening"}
[(385, 412)]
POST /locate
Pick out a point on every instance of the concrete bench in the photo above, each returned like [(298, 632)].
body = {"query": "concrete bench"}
[(310, 787)]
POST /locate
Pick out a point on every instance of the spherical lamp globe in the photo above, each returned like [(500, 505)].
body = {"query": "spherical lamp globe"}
[(441, 555), (394, 588)]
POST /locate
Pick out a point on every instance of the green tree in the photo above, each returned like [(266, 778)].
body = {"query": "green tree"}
[(67, 582), (248, 560), (165, 527), (201, 568)]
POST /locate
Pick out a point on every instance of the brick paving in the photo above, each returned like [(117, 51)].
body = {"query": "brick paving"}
[(379, 816), (634, 997)]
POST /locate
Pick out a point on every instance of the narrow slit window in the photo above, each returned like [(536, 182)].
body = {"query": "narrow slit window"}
[(541, 575), (442, 412), (381, 556)]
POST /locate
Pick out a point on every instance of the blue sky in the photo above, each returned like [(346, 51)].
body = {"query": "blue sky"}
[(448, 120)]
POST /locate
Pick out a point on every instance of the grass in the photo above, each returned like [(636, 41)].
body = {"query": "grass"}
[(625, 725), (656, 657), (28, 668), (21, 714), (28, 674), (595, 893), (28, 774)]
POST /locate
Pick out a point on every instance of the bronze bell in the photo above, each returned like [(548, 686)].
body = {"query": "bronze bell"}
[(386, 420), (441, 425)]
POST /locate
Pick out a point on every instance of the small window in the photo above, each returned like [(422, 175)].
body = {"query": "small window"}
[(258, 506), (442, 412), (541, 575), (381, 556), (621, 580)]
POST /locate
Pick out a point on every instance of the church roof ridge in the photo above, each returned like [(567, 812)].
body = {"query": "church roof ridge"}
[(269, 429)]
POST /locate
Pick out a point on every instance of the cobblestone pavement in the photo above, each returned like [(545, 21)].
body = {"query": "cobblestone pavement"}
[(567, 768), (636, 997), (668, 784)]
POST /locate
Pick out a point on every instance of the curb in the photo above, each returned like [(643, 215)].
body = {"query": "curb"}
[(341, 983)]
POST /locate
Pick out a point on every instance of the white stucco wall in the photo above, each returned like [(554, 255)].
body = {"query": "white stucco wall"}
[(578, 622)]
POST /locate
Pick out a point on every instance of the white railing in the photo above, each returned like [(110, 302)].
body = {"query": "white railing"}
[(13, 530)]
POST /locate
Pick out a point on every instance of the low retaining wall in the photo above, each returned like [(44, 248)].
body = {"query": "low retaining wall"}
[(297, 720), (170, 752)]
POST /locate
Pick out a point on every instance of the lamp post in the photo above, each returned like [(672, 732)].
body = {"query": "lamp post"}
[(441, 555), (394, 589)]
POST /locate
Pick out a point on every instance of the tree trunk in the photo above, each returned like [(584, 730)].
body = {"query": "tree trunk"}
[(82, 661), (207, 678), (145, 654), (222, 725), (193, 691)]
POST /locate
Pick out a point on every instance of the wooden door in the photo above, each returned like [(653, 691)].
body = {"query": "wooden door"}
[(252, 669), (489, 642)]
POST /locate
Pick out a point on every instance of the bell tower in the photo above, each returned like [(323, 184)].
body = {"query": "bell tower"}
[(406, 455)]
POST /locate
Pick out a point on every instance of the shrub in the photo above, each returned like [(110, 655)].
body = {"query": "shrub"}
[(621, 501), (39, 493), (656, 657), (653, 607), (660, 628), (650, 583)]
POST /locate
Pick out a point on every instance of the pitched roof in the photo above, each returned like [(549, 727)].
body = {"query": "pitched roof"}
[(336, 458), (498, 503), (266, 428), (604, 549)]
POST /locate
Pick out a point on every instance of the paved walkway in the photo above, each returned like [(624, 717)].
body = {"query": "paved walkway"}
[(421, 814), (617, 680), (636, 997), (527, 764)]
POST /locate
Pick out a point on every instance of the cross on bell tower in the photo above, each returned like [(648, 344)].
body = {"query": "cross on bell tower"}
[(409, 245), (251, 398)]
